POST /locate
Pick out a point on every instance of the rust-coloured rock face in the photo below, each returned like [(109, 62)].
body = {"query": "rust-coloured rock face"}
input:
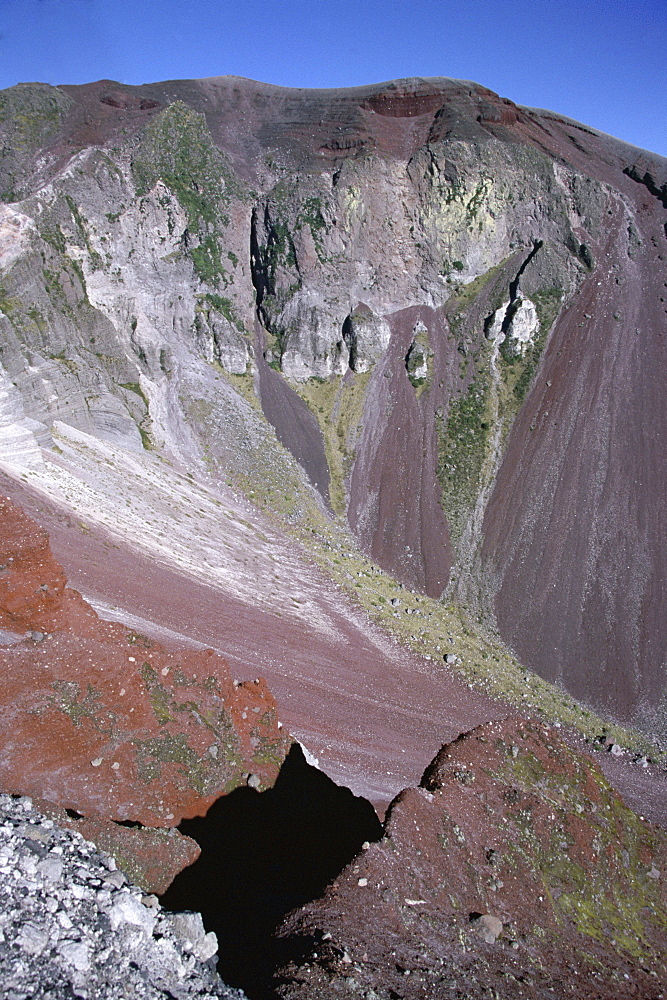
[(514, 868), (33, 593), (100, 720)]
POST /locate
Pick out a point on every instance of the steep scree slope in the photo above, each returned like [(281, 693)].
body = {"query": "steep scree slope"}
[(469, 296)]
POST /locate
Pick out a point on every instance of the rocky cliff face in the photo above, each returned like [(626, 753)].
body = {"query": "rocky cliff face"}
[(469, 296)]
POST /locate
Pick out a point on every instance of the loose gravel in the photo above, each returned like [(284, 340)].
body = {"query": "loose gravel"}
[(72, 926)]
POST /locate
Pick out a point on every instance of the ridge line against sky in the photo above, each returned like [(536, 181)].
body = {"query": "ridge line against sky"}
[(601, 64)]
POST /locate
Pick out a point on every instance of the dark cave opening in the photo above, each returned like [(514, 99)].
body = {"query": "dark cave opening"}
[(264, 854)]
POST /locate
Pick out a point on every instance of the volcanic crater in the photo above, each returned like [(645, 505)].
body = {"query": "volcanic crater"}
[(342, 411)]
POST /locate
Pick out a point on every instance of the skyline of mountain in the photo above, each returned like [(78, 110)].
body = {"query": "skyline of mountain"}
[(598, 65)]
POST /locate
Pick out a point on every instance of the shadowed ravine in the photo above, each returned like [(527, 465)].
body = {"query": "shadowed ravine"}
[(264, 854)]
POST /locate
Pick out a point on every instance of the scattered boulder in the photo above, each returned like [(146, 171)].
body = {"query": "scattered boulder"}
[(189, 929), (487, 926), (523, 324)]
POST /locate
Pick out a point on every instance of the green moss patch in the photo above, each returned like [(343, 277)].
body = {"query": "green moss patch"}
[(79, 706), (146, 439), (463, 440), (591, 853), (178, 149), (226, 308)]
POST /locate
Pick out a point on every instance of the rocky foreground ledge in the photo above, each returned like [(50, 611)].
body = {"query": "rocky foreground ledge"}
[(72, 926), (104, 723), (513, 871)]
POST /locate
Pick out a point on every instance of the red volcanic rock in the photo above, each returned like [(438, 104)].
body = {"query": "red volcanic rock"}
[(400, 102), (98, 719), (122, 100), (513, 870), (33, 592)]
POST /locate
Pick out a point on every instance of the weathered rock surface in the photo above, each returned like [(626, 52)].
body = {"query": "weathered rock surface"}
[(109, 724), (367, 337), (513, 870), (73, 926)]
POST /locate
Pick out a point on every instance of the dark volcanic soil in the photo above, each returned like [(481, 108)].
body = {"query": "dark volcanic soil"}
[(295, 426), (576, 524), (394, 492)]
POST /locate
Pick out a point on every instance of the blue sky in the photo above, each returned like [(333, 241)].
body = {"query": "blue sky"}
[(603, 63)]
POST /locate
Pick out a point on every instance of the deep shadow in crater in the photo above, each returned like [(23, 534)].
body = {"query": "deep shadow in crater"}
[(264, 854)]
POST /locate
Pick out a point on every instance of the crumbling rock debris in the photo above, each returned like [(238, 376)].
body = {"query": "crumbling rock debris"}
[(189, 928), (71, 925)]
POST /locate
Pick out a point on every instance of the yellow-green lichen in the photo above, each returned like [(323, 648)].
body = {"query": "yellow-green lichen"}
[(338, 404)]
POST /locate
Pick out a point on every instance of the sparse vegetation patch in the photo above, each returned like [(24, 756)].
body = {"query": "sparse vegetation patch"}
[(463, 437), (338, 405), (177, 148)]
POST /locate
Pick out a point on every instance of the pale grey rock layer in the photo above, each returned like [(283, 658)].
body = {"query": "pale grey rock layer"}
[(336, 257), (108, 295), (72, 926)]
